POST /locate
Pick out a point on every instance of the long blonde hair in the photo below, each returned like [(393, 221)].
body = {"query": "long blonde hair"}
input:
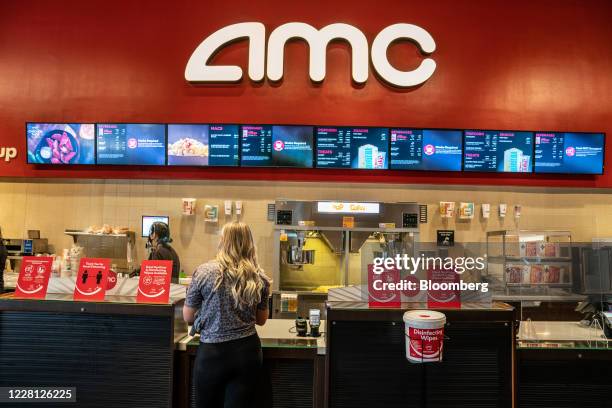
[(237, 259)]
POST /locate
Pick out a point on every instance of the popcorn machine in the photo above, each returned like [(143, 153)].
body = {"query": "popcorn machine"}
[(327, 244)]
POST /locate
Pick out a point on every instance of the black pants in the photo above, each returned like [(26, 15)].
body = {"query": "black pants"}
[(228, 375)]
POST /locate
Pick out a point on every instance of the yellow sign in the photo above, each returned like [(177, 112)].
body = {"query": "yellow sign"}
[(385, 225)]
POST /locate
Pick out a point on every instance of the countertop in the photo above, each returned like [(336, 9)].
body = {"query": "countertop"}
[(476, 306), (64, 303), (276, 333)]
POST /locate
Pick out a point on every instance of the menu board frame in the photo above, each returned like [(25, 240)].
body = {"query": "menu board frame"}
[(603, 160), (239, 126), (315, 141), (432, 129), (315, 161), (532, 159), (313, 147), (69, 122), (165, 125)]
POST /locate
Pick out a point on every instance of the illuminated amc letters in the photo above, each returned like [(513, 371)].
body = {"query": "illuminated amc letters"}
[(317, 42), (198, 70)]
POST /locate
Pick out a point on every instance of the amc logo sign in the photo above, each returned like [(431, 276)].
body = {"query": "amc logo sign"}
[(270, 62), (8, 153)]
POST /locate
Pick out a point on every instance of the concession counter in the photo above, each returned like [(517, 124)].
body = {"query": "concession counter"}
[(367, 364), (117, 353), (294, 366)]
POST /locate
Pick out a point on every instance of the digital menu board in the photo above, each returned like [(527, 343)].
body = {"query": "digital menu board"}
[(203, 145), (292, 146), (498, 150), (425, 149), (61, 143), (357, 148), (131, 144), (571, 153), (256, 146)]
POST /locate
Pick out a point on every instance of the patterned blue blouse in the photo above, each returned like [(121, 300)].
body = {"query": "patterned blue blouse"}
[(217, 319)]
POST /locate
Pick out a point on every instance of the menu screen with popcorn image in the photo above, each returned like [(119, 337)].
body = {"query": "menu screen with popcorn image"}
[(203, 145)]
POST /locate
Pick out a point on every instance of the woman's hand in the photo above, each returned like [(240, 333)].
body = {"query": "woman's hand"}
[(261, 316), (189, 314)]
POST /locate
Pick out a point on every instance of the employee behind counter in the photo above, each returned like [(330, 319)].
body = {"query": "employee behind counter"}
[(160, 250)]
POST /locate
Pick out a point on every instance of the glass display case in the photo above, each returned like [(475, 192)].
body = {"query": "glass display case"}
[(531, 265)]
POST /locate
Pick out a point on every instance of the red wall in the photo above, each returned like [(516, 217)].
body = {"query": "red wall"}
[(534, 65)]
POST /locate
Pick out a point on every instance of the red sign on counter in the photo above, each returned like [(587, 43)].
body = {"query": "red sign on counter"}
[(92, 279), (34, 277), (378, 295), (154, 282), (443, 298)]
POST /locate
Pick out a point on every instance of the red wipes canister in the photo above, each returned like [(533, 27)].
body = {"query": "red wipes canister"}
[(424, 335)]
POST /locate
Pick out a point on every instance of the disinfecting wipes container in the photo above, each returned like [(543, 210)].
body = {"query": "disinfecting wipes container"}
[(424, 335)]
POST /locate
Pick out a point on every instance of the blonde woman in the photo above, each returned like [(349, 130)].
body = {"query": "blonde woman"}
[(226, 299)]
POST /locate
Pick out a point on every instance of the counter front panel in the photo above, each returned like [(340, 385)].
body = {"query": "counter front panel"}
[(116, 354)]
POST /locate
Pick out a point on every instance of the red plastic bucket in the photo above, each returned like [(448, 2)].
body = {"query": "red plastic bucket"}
[(424, 335)]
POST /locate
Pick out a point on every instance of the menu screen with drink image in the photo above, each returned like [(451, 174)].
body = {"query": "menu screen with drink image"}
[(61, 143), (570, 153), (426, 149), (256, 150), (498, 150), (357, 148), (203, 145), (131, 144), (292, 146)]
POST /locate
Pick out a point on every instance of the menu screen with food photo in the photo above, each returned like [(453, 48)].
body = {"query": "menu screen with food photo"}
[(203, 145), (292, 146), (131, 144), (357, 148), (498, 150), (188, 145), (369, 148), (60, 143)]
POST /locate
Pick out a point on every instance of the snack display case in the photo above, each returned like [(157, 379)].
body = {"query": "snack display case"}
[(530, 263)]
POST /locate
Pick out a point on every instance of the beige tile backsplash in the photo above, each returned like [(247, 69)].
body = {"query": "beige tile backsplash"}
[(53, 206)]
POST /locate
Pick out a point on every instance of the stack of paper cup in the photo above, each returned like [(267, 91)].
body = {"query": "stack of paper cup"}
[(189, 205)]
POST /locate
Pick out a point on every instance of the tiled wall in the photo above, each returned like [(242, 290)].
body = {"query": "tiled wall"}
[(54, 206)]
